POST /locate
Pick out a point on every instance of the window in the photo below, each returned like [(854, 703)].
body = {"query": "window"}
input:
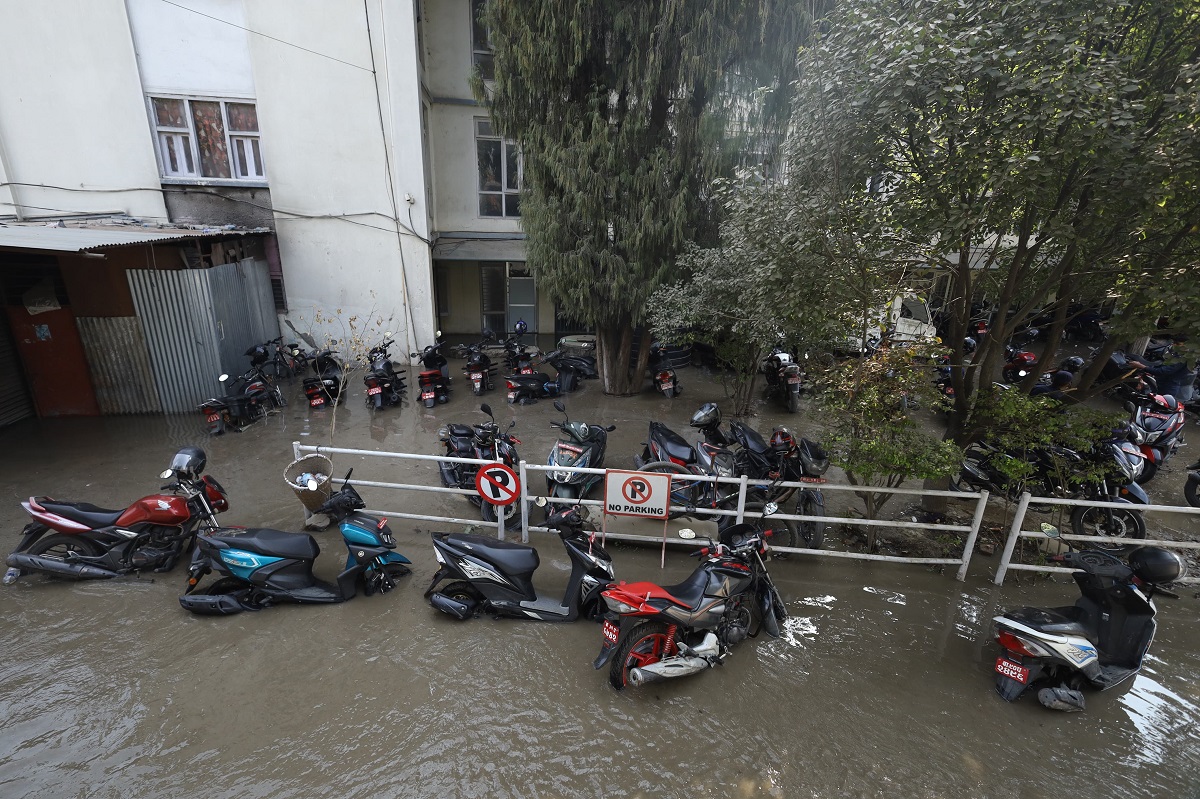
[(208, 139), (481, 45), (499, 163)]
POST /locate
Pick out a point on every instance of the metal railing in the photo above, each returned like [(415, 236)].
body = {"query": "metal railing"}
[(739, 513), (1016, 533)]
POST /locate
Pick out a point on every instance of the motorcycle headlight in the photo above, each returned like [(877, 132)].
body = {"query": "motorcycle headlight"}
[(1137, 434), (560, 477), (1022, 373), (444, 433), (437, 554)]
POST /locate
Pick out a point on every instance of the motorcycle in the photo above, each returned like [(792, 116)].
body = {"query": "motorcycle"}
[(261, 567), (79, 540), (497, 576), (662, 371), (1156, 426), (785, 378), (250, 397), (1099, 642), (580, 445), (434, 380), (482, 442), (479, 369), (327, 388), (384, 384), (1018, 362), (527, 389), (1084, 324), (654, 632)]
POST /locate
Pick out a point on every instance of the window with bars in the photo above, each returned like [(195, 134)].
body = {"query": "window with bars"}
[(208, 139), (499, 164)]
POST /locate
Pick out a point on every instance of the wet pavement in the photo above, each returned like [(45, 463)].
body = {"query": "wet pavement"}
[(881, 687)]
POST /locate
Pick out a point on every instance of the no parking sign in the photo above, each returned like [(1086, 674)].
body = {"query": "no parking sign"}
[(644, 494), (498, 484)]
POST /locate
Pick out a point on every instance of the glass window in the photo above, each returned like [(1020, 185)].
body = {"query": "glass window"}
[(498, 163), (208, 139)]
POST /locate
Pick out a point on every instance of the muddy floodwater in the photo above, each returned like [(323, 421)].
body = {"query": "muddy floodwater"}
[(881, 687)]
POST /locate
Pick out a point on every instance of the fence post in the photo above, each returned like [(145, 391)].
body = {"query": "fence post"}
[(1014, 533), (741, 509), (524, 500), (969, 548)]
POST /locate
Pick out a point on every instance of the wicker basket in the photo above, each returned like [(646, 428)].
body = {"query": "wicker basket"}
[(313, 498)]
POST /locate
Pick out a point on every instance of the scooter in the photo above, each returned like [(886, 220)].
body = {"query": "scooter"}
[(581, 446), (1098, 642), (482, 442), (653, 633), (1018, 362), (785, 378), (1156, 426), (262, 567), (478, 368), (384, 384), (527, 389), (497, 576), (663, 372), (434, 380), (327, 387), (79, 540)]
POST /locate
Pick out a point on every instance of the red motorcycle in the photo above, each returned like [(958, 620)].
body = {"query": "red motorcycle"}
[(79, 540), (655, 633)]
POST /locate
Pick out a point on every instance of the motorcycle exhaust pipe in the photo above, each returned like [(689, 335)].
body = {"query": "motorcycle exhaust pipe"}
[(26, 562), (459, 610), (667, 669)]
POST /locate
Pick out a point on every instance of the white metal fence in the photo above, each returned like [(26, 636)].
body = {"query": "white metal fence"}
[(971, 531), (1016, 532)]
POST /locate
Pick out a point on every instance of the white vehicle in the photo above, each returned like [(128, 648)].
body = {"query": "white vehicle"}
[(904, 320)]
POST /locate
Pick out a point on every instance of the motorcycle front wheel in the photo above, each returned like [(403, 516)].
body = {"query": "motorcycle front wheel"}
[(512, 521), (1119, 524), (812, 534), (1191, 490), (783, 532), (645, 644)]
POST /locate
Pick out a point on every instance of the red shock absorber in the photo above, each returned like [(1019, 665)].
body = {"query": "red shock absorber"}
[(670, 648)]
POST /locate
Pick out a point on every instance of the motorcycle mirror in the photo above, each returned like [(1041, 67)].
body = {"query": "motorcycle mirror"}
[(166, 474), (558, 406), (1050, 531), (438, 334), (687, 533), (225, 377), (770, 508), (512, 423), (486, 408), (541, 502), (611, 428), (1129, 406)]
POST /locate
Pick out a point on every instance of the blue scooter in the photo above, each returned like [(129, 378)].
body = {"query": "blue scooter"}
[(262, 567)]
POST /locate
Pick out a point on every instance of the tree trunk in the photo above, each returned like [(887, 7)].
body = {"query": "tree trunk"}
[(613, 346)]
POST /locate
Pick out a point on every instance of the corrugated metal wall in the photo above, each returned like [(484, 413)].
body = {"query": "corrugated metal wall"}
[(119, 364), (198, 323), (14, 398)]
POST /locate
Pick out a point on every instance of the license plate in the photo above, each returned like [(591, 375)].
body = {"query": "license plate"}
[(512, 395), (426, 395), (213, 417), (317, 402), (664, 385), (527, 370), (1014, 671), (476, 375), (373, 391), (793, 380), (611, 632)]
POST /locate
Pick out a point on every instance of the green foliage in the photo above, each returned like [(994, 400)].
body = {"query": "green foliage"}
[(873, 436), (625, 113)]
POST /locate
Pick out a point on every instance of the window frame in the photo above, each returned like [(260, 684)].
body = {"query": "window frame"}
[(507, 147), (481, 51), (162, 133)]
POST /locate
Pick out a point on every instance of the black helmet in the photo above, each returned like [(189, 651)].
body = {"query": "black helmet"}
[(708, 415), (189, 462), (1156, 565), (521, 327), (1074, 364), (969, 345), (257, 354), (1061, 379)]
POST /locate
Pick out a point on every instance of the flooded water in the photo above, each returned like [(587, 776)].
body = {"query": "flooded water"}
[(881, 687)]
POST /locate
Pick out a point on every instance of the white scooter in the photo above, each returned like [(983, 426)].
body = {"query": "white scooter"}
[(1099, 641)]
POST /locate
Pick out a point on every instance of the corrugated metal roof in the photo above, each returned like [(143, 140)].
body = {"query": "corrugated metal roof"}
[(78, 239)]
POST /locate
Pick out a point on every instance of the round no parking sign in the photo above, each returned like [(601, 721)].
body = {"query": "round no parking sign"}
[(498, 484)]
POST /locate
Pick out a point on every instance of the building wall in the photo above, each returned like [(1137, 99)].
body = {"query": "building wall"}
[(72, 113)]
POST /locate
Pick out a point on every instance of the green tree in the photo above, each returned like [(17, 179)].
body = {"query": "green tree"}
[(1031, 151), (625, 113)]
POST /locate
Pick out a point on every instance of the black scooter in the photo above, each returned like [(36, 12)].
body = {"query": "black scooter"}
[(497, 576), (582, 446), (434, 380), (526, 389), (479, 368), (1100, 641), (327, 387), (262, 567), (385, 386)]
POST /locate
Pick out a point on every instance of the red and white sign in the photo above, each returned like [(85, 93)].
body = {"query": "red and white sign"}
[(498, 484), (645, 494)]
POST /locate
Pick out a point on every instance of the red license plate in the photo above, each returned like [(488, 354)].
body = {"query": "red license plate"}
[(512, 395), (476, 375), (611, 632), (664, 385), (373, 391), (793, 380), (213, 417), (1014, 671), (426, 395), (317, 402), (527, 370)]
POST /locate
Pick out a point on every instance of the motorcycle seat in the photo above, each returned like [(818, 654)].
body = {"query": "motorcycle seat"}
[(749, 438), (461, 430), (276, 543), (690, 591), (514, 558), (672, 443), (83, 512), (1049, 621)]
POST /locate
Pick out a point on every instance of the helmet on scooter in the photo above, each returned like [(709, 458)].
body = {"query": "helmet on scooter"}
[(1156, 565), (1074, 365), (782, 440), (708, 415), (189, 463)]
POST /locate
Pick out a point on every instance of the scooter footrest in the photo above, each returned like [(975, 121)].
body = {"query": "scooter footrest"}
[(211, 604)]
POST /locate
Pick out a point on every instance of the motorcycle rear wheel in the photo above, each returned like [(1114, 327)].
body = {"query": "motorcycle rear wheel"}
[(793, 402), (59, 547), (1191, 491), (1122, 526), (512, 521), (645, 644), (812, 534)]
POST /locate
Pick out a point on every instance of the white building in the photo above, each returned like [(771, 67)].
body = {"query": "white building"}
[(329, 149)]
